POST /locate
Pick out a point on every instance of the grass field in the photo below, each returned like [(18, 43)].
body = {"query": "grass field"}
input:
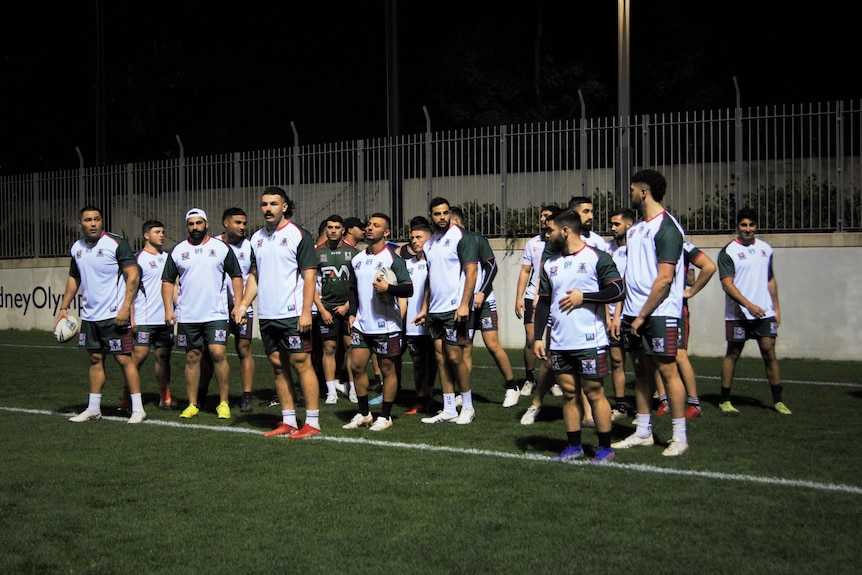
[(758, 493)]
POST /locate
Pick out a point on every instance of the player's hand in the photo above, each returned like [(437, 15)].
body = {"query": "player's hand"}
[(574, 299), (519, 309), (539, 349), (636, 326)]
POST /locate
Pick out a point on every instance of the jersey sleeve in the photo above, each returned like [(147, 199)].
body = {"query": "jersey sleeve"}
[(668, 243), (726, 267), (306, 255), (170, 272)]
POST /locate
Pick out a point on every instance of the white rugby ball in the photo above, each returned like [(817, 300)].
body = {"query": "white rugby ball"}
[(390, 278), (67, 329)]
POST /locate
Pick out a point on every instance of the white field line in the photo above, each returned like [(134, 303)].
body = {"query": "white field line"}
[(775, 481), (628, 373)]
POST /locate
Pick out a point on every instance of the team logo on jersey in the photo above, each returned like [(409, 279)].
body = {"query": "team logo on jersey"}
[(181, 340), (144, 337), (260, 242), (763, 253), (553, 271), (212, 253), (658, 344), (184, 256), (323, 257), (153, 265), (78, 254), (582, 268), (115, 344), (410, 271), (294, 342), (446, 242), (240, 256), (221, 335), (283, 242), (588, 367)]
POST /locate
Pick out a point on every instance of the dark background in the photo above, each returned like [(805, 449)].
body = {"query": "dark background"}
[(232, 78)]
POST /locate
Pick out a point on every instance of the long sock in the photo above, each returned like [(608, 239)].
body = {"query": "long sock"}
[(644, 428), (679, 430), (137, 402), (466, 399), (776, 393), (604, 438), (386, 410), (531, 375), (94, 403), (288, 416), (449, 404), (312, 418)]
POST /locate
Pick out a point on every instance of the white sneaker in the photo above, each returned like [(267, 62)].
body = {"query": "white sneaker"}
[(332, 397), (527, 388), (634, 441), (382, 423), (341, 388), (529, 418), (458, 401), (137, 417), (557, 390), (352, 396), (86, 415), (675, 448), (466, 416), (441, 417), (512, 397), (358, 421)]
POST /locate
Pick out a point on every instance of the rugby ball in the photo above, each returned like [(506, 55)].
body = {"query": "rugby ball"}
[(67, 328), (390, 278)]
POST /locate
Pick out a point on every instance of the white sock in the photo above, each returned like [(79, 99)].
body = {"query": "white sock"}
[(679, 430), (466, 399), (644, 426), (95, 402), (312, 418), (331, 387), (288, 416), (137, 402), (449, 403)]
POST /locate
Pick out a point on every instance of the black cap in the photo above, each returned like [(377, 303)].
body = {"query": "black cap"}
[(351, 222)]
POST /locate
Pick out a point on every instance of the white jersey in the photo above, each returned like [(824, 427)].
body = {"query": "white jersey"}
[(588, 270), (149, 305), (280, 258), (618, 254), (201, 270), (751, 269), (245, 259), (98, 269), (418, 271), (375, 316), (533, 257), (648, 243), (595, 240), (446, 254)]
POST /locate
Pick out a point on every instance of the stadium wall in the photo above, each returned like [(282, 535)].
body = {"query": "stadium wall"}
[(819, 282)]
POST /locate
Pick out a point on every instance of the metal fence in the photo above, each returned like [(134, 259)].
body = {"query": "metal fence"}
[(798, 165)]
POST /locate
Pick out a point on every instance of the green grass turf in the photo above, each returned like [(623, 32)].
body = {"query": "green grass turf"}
[(757, 493)]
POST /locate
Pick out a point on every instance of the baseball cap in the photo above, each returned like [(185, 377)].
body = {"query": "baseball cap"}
[(351, 222), (196, 212)]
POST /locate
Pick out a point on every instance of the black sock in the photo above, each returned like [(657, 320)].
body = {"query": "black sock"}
[(776, 393), (531, 375), (725, 394), (604, 438), (574, 437), (621, 403), (511, 384)]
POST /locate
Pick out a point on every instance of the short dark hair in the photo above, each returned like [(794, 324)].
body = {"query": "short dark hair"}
[(335, 218), (656, 182), (578, 200), (567, 218), (457, 212), (150, 224), (276, 191), (231, 212), (555, 210), (322, 227), (746, 214), (437, 202), (382, 216), (90, 208), (419, 222), (625, 213)]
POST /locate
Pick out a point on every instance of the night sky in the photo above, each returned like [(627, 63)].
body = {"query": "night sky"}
[(233, 78)]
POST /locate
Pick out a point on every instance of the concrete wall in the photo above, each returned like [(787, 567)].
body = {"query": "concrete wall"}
[(819, 283)]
